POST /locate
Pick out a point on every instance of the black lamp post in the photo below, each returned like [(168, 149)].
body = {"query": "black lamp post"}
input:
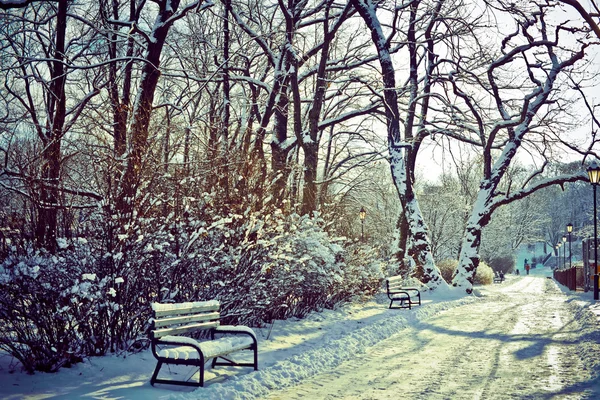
[(569, 230), (594, 175), (362, 214), (558, 245), (564, 239)]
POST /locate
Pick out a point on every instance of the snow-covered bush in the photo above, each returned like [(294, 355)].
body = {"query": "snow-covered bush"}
[(94, 296), (50, 309), (270, 266), (484, 274), (364, 269)]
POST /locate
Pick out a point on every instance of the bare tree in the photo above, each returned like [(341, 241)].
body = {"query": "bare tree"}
[(525, 115), (169, 11), (412, 238), (40, 65), (587, 15)]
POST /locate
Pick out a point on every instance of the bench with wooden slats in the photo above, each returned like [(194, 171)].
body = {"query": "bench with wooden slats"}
[(170, 321), (406, 297)]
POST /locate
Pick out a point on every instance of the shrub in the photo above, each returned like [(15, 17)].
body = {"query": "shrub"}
[(447, 268), (364, 271), (51, 313), (504, 264), (484, 274), (94, 296)]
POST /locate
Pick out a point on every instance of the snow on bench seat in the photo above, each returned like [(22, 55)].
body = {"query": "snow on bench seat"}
[(210, 349)]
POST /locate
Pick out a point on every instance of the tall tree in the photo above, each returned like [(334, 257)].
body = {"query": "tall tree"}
[(169, 11), (403, 148), (39, 64), (524, 116)]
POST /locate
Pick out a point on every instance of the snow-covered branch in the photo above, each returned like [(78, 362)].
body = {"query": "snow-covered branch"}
[(8, 4), (534, 187)]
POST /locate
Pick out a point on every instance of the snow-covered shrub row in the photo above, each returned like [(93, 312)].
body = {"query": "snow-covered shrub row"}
[(88, 300)]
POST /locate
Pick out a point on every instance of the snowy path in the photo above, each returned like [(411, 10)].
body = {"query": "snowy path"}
[(521, 341)]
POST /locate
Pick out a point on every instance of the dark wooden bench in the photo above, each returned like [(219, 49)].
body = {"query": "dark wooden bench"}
[(405, 296), (170, 321)]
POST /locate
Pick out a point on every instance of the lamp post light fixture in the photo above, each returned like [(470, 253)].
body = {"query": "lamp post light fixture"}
[(362, 214), (594, 175)]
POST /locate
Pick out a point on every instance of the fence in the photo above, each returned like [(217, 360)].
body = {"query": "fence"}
[(568, 277)]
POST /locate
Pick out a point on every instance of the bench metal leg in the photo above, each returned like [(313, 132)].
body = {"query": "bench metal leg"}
[(155, 374), (408, 301), (231, 363), (154, 378), (201, 378), (256, 358)]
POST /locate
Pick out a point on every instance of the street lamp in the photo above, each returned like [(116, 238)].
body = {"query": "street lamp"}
[(362, 214), (558, 254), (564, 239), (594, 175), (569, 230)]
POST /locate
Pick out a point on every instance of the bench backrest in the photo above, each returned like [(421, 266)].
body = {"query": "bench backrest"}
[(394, 283), (178, 318)]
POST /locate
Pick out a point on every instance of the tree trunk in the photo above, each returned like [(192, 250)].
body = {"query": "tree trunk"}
[(464, 274), (167, 141), (120, 104), (212, 147), (47, 221), (418, 241), (279, 161), (309, 191), (224, 139), (310, 144), (142, 110)]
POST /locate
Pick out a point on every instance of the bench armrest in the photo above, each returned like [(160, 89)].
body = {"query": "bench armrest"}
[(235, 329), (178, 341), (414, 289), (405, 291)]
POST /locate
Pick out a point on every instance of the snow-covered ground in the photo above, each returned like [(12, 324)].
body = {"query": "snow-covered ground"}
[(525, 338)]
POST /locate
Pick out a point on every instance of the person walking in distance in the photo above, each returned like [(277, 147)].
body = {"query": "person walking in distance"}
[(527, 268)]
